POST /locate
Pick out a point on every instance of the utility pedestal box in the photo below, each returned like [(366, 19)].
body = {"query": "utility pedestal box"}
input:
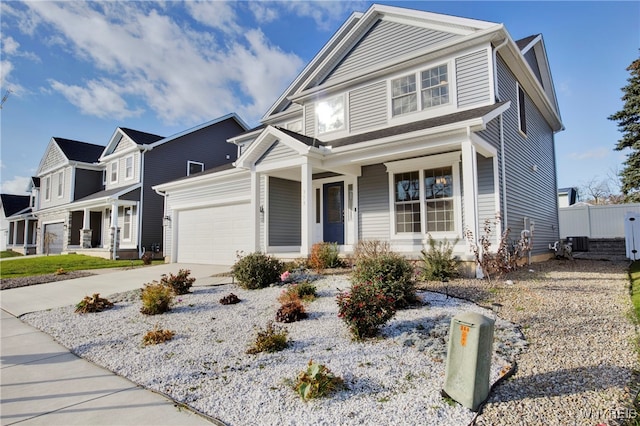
[(469, 359)]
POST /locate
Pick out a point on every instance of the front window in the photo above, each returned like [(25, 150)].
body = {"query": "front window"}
[(126, 224), (433, 88), (60, 184), (407, 202), (331, 114), (114, 172), (128, 167), (438, 195)]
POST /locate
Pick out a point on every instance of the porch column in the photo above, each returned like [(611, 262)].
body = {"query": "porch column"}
[(306, 209), (85, 232), (470, 185), (26, 237), (257, 216), (15, 233), (115, 231)]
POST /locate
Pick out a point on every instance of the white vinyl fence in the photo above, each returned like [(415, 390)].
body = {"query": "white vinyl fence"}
[(595, 221)]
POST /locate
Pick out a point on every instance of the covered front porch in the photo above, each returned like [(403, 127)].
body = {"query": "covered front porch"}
[(22, 233)]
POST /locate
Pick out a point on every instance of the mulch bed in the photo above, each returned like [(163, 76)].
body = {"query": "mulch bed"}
[(9, 283)]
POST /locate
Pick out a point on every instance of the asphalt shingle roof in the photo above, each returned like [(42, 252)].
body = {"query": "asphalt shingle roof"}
[(80, 151), (141, 138), (12, 204), (524, 42)]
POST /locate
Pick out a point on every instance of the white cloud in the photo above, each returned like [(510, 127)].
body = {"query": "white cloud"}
[(18, 185), (97, 98), (11, 48), (326, 14), (591, 154), (146, 56), (217, 14)]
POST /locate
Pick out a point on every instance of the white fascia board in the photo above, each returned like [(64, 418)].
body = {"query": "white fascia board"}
[(211, 203), (107, 199), (419, 15), (406, 61), (289, 114), (232, 174), (245, 137), (314, 63), (114, 140), (87, 166), (133, 148)]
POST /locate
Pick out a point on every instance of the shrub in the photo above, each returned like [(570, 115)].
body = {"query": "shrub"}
[(230, 299), (370, 248), (392, 272), (291, 311), (156, 336), (180, 283), (365, 309), (94, 303), (60, 271), (271, 339), (156, 298), (257, 270), (324, 256), (147, 258), (304, 290), (439, 263), (316, 381)]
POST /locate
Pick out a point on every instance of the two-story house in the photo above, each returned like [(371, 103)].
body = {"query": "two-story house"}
[(406, 124)]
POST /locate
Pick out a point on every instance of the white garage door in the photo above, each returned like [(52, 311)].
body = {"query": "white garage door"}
[(53, 234), (212, 235)]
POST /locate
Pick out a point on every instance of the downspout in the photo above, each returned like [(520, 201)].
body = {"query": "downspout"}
[(145, 148), (502, 153)]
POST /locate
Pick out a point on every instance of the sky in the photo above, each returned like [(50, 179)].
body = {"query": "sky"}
[(79, 70)]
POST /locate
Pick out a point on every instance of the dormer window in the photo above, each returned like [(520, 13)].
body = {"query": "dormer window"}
[(331, 114), (434, 90), (194, 167)]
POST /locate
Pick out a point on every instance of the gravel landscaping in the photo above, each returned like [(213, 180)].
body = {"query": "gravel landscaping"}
[(575, 366)]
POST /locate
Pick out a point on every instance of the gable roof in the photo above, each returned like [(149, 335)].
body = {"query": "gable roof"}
[(12, 204), (141, 138), (79, 151), (524, 42)]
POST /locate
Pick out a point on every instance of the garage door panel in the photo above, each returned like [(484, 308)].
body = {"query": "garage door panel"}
[(53, 238), (212, 235)]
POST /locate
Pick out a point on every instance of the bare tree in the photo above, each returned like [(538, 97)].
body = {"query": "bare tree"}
[(605, 190)]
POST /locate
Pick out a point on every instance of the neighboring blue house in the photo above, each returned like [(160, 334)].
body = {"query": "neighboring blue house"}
[(406, 124)]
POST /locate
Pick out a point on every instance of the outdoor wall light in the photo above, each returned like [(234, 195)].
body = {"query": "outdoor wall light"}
[(261, 209)]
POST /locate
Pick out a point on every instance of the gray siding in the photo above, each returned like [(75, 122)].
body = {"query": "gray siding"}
[(373, 203), (262, 227), (368, 107), (532, 60), (168, 162), (472, 73), (276, 152), (529, 194), (87, 182), (310, 119), (285, 212), (486, 198), (386, 41)]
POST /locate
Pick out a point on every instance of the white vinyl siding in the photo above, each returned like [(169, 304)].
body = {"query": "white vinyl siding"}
[(276, 152)]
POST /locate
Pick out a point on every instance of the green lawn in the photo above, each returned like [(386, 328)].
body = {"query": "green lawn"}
[(28, 266), (8, 253), (634, 274)]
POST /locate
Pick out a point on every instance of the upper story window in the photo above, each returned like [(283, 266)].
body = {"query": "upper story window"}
[(104, 177), (128, 167), (295, 126), (194, 167), (114, 172), (331, 114), (126, 224), (522, 116), (434, 90), (47, 188), (60, 184)]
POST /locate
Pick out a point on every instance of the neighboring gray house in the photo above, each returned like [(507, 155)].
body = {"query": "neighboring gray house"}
[(99, 201), (406, 124), (12, 234)]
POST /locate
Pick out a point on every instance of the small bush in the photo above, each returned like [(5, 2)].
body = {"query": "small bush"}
[(156, 336), (316, 381), (180, 283), (365, 309), (392, 272), (439, 263), (291, 311), (324, 256), (156, 298), (60, 271), (230, 299), (370, 248), (94, 303), (147, 258), (271, 339), (257, 270), (304, 290)]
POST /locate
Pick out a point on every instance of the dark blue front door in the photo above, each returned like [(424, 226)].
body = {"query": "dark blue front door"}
[(333, 214)]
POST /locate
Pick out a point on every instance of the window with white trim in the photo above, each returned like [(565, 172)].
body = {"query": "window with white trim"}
[(194, 167), (114, 172), (104, 176), (434, 90), (407, 201), (128, 167), (47, 188), (60, 184), (330, 114), (126, 224), (522, 116), (438, 196)]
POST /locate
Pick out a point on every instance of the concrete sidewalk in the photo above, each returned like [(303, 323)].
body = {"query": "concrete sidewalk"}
[(42, 383)]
